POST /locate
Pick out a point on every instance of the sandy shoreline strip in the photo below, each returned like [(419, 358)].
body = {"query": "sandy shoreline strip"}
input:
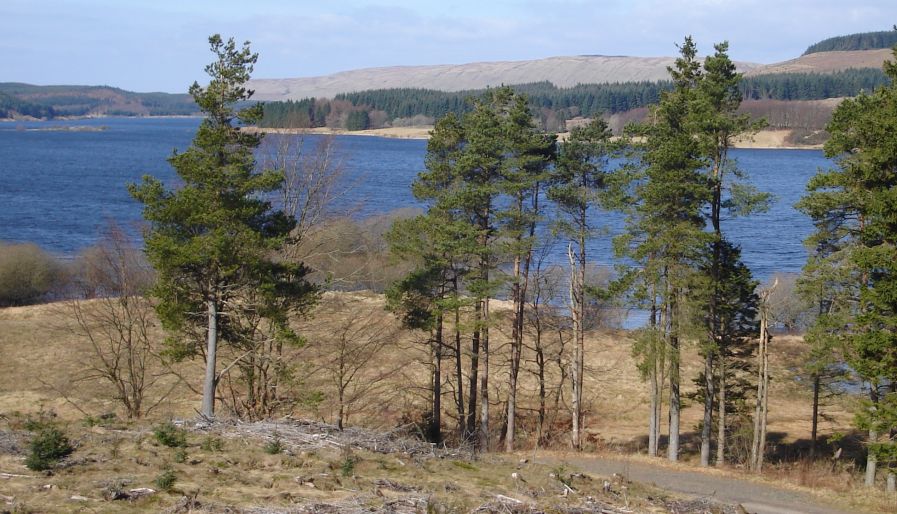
[(765, 139)]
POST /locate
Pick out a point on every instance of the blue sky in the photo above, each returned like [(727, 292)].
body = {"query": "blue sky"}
[(160, 45)]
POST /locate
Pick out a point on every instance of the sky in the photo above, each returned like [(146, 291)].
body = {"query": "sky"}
[(162, 45)]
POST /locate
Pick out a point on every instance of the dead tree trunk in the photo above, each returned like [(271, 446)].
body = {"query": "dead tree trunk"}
[(761, 413)]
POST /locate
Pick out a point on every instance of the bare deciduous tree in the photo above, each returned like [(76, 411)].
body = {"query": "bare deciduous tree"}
[(758, 446), (119, 323), (348, 358)]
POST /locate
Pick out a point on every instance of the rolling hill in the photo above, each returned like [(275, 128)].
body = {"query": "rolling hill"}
[(560, 71), (563, 72), (575, 76), (18, 100), (827, 62)]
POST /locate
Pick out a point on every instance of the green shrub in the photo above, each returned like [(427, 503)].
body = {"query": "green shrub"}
[(347, 467), (47, 448), (212, 444), (180, 456), (167, 434), (165, 481), (274, 446)]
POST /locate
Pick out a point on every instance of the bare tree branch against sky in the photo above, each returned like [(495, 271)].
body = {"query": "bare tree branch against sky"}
[(158, 45)]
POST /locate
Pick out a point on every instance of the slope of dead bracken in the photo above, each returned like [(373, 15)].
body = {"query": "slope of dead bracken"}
[(827, 62)]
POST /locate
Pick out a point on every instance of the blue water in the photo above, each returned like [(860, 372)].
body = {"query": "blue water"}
[(58, 188)]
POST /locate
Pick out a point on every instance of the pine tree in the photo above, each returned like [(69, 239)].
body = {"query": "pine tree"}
[(714, 119), (854, 210), (528, 153), (665, 227), (213, 240), (579, 178)]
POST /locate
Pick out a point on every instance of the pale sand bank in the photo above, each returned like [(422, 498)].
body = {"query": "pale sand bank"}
[(392, 132), (765, 139)]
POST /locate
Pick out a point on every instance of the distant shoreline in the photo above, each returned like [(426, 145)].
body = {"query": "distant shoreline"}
[(763, 140), (98, 117), (770, 139)]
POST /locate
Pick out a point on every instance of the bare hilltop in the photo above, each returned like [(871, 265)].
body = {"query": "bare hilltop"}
[(560, 71)]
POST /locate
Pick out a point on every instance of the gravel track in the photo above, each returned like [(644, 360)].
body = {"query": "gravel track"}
[(756, 498)]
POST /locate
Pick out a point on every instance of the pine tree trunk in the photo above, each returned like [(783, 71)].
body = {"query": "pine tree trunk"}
[(484, 384), (871, 458), (512, 399), (871, 462), (211, 380), (707, 426), (675, 400), (652, 417), (516, 350), (815, 425), (721, 430), (473, 379), (540, 363), (576, 369), (656, 378), (459, 373), (436, 408), (891, 487)]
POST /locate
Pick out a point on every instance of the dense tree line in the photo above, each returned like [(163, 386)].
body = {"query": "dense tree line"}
[(586, 100), (11, 106), (811, 86), (861, 41), (307, 113)]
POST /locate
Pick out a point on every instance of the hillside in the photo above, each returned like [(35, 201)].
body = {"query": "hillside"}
[(18, 100), (560, 71), (826, 62)]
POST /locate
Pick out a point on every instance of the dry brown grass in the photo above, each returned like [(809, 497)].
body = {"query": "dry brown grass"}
[(41, 359), (38, 352)]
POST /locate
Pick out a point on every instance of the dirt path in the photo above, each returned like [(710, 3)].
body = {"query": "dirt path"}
[(754, 497)]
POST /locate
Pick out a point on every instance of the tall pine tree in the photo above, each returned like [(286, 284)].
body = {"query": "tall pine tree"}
[(855, 211), (213, 239)]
